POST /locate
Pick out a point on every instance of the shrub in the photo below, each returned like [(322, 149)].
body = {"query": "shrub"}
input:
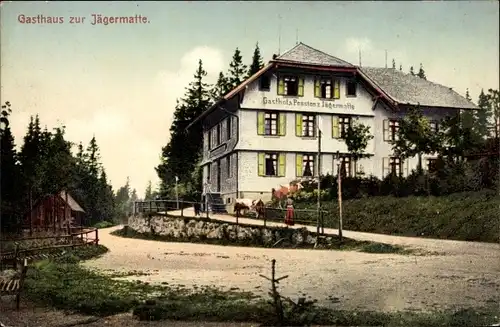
[(104, 224)]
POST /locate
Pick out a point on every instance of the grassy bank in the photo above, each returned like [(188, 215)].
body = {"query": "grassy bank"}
[(346, 244), (63, 284), (471, 216)]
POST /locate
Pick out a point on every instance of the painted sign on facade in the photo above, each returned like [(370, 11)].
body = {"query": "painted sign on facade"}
[(307, 103)]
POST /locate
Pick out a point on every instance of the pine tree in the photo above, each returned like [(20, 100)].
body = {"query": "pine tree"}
[(257, 62), (411, 71), (421, 72), (393, 63), (180, 155), (148, 195), (494, 105), (237, 70), (400, 67), (9, 175), (220, 88), (467, 95), (483, 115)]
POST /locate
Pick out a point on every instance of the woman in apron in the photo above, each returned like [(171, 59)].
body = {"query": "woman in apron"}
[(289, 212)]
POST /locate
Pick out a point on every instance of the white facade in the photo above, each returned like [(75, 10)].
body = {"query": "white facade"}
[(269, 143)]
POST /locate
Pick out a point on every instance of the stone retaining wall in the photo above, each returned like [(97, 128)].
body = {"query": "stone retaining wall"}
[(203, 228)]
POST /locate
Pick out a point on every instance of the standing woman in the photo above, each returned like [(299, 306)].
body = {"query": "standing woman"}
[(289, 212)]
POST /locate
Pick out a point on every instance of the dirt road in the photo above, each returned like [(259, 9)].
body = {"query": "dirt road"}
[(464, 275)]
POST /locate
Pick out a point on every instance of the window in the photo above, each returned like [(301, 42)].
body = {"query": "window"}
[(228, 128), (291, 85), (431, 164), (271, 123), (344, 124), (391, 128), (228, 166), (345, 166), (218, 134), (327, 88), (264, 83), (308, 125), (305, 165), (209, 139), (271, 163), (434, 125), (351, 88), (395, 166)]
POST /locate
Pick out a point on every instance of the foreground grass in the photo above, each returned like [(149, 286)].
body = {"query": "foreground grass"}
[(64, 284), (346, 244)]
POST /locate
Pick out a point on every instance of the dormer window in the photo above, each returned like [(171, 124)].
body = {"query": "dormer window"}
[(291, 85), (264, 83)]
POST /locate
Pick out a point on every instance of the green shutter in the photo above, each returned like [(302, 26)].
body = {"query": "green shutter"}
[(282, 164), (281, 86), (298, 124), (317, 88), (336, 89), (298, 165), (335, 127), (300, 91), (260, 123), (282, 122), (262, 172)]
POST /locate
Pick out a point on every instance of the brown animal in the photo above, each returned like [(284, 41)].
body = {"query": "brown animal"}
[(260, 209), (282, 193)]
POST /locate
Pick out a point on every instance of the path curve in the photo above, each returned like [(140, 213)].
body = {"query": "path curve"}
[(467, 275)]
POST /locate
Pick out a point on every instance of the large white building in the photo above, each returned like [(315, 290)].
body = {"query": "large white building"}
[(263, 133)]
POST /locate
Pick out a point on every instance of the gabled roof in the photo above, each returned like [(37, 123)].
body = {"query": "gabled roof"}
[(71, 202), (305, 54), (408, 89)]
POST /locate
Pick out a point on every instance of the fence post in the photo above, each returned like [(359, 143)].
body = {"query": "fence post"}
[(150, 206), (237, 216), (322, 222), (96, 236), (182, 207), (265, 216)]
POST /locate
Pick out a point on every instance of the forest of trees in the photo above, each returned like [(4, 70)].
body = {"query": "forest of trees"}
[(45, 165), (181, 156)]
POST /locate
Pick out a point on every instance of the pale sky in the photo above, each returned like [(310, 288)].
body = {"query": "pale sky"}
[(120, 82)]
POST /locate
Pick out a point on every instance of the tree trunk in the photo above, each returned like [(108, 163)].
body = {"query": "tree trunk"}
[(31, 210), (419, 167)]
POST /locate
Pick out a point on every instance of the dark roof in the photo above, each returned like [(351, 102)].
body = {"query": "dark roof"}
[(408, 89), (71, 202), (304, 54)]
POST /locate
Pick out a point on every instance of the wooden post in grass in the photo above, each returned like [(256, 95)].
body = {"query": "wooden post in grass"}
[(340, 200)]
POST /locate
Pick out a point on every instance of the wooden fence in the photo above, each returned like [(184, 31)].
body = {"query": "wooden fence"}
[(13, 250)]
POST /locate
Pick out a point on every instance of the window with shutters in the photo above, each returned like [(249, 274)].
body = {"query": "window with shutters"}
[(291, 85), (271, 164), (395, 166), (271, 120), (327, 88), (305, 166), (308, 125), (391, 129), (344, 124)]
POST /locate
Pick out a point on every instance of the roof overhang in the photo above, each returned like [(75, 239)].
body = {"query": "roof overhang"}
[(232, 93), (291, 64)]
